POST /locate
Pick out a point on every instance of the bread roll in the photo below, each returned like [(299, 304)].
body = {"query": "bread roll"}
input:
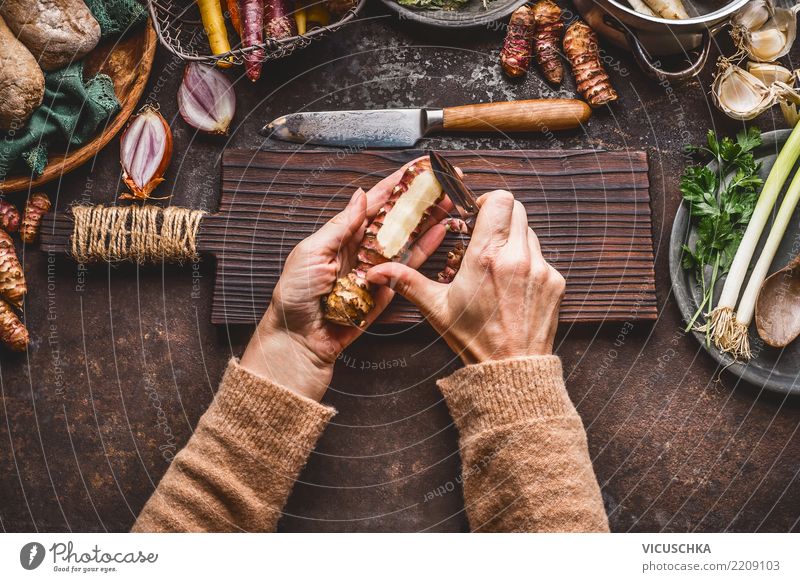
[(56, 32)]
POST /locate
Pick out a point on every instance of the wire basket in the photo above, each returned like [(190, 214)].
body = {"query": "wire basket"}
[(180, 31)]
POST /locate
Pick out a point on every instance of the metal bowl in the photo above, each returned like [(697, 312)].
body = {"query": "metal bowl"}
[(648, 36)]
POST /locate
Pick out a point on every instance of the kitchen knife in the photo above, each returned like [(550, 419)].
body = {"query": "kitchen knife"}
[(403, 127)]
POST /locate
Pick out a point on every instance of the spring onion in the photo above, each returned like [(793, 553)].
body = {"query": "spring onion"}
[(740, 345), (728, 332)]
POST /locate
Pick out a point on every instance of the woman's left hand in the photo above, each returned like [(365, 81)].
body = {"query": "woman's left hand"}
[(294, 345)]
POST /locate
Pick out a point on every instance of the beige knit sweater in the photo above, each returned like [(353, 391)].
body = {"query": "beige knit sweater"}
[(525, 460)]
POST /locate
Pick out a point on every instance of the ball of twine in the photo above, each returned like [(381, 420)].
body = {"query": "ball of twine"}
[(139, 234)]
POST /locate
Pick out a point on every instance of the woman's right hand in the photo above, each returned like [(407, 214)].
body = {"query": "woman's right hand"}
[(504, 300)]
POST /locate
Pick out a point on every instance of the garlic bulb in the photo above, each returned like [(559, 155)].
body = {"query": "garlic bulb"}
[(739, 94), (769, 73), (754, 14), (771, 40)]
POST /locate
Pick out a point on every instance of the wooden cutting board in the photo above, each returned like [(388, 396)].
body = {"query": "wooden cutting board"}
[(590, 209)]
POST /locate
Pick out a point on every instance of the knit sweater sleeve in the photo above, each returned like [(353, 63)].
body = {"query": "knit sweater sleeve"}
[(238, 468), (526, 463)]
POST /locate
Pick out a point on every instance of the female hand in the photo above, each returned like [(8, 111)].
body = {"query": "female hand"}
[(504, 300), (293, 345)]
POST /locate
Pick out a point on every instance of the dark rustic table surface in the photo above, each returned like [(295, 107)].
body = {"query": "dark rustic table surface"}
[(123, 361)]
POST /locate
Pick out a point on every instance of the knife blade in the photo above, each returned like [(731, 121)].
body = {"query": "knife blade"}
[(404, 127)]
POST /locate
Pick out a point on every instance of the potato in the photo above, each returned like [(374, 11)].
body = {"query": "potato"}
[(57, 32), (21, 80)]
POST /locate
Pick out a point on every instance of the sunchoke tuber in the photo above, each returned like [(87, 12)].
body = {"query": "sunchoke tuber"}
[(515, 58), (38, 205), (9, 216), (580, 46), (12, 278), (397, 226), (453, 264), (12, 331), (547, 38)]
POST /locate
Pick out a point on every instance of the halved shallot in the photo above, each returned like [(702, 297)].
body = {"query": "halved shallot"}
[(145, 152), (206, 99)]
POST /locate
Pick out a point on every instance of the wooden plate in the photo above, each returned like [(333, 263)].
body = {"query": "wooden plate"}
[(471, 15), (128, 62), (777, 370)]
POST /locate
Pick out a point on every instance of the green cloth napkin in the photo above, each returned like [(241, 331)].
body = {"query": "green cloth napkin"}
[(73, 110)]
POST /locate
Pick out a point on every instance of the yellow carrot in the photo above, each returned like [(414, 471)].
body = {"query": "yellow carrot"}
[(300, 19), (317, 14), (214, 25)]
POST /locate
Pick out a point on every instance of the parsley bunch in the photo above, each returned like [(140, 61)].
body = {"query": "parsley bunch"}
[(721, 204)]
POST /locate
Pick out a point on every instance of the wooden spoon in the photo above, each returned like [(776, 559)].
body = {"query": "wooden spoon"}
[(778, 306)]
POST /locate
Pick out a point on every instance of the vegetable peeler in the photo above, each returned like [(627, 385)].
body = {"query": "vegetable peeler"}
[(462, 197)]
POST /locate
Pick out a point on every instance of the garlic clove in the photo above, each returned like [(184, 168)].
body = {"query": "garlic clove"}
[(739, 94), (772, 40), (769, 73), (145, 152), (206, 99), (767, 44), (754, 14)]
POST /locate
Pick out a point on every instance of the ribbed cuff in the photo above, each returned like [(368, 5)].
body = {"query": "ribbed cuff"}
[(491, 394), (267, 417)]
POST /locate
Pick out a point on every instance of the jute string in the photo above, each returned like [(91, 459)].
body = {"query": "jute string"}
[(140, 234)]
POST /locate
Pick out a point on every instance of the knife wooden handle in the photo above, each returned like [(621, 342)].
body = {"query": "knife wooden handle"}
[(512, 116)]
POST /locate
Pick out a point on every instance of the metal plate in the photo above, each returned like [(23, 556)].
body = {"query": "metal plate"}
[(473, 14), (773, 369)]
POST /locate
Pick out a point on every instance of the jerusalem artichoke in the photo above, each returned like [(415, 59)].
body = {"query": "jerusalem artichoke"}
[(9, 216), (515, 58), (397, 226), (547, 38), (12, 278), (38, 205), (12, 331), (453, 264), (580, 46)]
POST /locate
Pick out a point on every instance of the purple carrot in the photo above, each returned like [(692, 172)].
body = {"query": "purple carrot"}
[(279, 24), (251, 13)]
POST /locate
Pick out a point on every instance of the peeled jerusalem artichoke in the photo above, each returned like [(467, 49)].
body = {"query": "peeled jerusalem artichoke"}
[(397, 226), (12, 278), (12, 331), (669, 9)]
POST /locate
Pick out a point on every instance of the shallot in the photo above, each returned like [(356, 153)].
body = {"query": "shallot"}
[(145, 153), (206, 99)]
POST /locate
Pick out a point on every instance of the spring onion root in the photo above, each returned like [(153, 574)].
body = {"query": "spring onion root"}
[(728, 331)]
